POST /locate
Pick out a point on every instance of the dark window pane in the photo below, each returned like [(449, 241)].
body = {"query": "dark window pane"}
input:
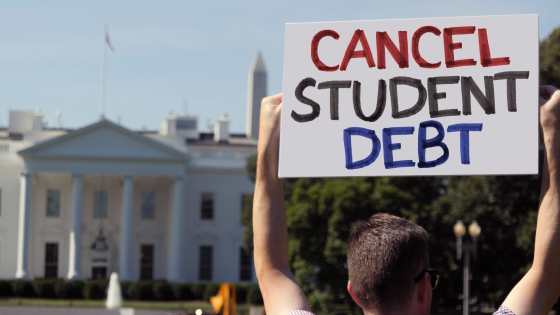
[(205, 265), (207, 207), (148, 205), (99, 273), (53, 203), (51, 260), (100, 204), (146, 262), (245, 265)]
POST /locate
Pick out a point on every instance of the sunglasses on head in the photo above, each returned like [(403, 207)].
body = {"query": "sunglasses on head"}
[(434, 277)]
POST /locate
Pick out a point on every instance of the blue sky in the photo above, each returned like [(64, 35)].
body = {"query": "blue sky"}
[(171, 51)]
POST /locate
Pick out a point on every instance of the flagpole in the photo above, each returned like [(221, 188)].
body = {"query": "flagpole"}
[(102, 109)]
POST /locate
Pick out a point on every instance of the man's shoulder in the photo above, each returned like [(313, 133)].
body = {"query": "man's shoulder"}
[(503, 310)]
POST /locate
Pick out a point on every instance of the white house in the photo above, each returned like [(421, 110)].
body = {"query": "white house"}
[(149, 205)]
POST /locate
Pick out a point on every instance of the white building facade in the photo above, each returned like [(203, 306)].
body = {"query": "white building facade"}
[(82, 204)]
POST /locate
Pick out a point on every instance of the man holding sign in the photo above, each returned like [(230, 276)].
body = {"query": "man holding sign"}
[(388, 260)]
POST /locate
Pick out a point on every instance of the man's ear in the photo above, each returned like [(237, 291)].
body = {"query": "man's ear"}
[(424, 288), (351, 291)]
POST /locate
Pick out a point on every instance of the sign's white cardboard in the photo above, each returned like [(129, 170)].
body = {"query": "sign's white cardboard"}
[(432, 70)]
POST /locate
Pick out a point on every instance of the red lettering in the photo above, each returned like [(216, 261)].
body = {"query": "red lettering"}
[(315, 46), (486, 59), (416, 41), (351, 51), (449, 46), (400, 55)]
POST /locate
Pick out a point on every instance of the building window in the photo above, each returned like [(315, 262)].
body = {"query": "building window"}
[(100, 204), (51, 260), (205, 264), (207, 207), (148, 205), (245, 265), (146, 262), (53, 203), (99, 273)]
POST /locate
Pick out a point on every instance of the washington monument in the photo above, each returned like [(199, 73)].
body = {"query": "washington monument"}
[(257, 91)]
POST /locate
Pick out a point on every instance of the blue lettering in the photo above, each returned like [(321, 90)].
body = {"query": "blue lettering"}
[(436, 141), (464, 129), (389, 146), (368, 133)]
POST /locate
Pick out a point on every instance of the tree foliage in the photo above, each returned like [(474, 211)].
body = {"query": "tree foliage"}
[(550, 59)]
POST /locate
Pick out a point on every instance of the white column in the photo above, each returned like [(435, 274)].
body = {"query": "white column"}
[(126, 229), (175, 272), (75, 263), (22, 271)]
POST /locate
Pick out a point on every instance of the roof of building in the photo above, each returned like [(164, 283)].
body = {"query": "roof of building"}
[(207, 139), (37, 148)]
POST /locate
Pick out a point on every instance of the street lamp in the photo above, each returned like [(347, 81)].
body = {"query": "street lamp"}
[(466, 247)]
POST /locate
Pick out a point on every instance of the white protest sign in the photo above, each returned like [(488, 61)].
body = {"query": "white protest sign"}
[(445, 96)]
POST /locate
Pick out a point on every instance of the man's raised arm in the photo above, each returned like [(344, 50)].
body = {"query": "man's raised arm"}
[(539, 289), (280, 291)]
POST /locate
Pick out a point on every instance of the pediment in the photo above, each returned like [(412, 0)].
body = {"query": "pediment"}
[(103, 140)]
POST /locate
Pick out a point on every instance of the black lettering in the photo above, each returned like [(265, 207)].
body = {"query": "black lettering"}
[(487, 102), (334, 86), (434, 96), (381, 100), (415, 83), (316, 109), (510, 77)]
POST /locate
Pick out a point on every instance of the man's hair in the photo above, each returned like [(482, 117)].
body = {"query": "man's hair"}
[(384, 255)]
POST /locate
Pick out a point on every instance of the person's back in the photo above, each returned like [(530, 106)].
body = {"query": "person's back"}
[(388, 260)]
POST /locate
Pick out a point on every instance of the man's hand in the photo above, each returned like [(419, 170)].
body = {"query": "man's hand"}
[(280, 291), (539, 289)]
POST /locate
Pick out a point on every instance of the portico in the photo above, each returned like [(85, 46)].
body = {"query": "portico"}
[(106, 174)]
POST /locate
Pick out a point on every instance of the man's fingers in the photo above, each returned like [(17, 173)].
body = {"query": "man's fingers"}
[(274, 100), (546, 91)]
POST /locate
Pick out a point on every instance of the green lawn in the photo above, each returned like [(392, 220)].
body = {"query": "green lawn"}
[(154, 305)]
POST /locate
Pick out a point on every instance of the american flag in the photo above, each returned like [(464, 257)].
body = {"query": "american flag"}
[(108, 42)]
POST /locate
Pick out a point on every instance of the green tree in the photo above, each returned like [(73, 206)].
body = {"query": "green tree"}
[(550, 59)]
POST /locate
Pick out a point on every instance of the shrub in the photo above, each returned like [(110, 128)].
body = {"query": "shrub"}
[(92, 291), (77, 287), (211, 290), (5, 289), (163, 291), (44, 288), (198, 290), (254, 295), (103, 287), (22, 288), (182, 292), (124, 290), (62, 289), (69, 289), (141, 291), (240, 293)]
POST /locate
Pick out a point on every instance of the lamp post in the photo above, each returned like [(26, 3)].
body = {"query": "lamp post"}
[(467, 247)]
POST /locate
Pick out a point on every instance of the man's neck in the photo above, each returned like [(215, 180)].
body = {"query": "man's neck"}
[(406, 311)]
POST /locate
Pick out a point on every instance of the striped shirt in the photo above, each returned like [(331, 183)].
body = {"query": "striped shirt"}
[(503, 310)]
